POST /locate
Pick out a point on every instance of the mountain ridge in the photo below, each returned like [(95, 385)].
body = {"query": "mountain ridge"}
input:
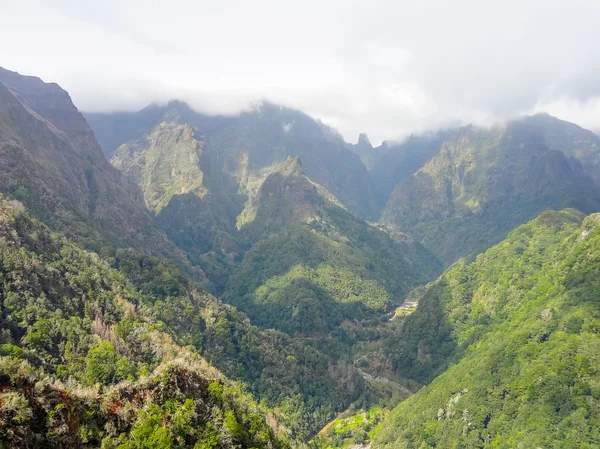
[(483, 182)]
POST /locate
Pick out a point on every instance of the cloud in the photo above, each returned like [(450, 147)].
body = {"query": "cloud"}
[(387, 68)]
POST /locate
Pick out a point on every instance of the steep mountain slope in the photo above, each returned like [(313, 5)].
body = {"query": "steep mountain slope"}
[(482, 184), (199, 209), (399, 161), (313, 264), (70, 328), (51, 162), (199, 205), (79, 318), (172, 167), (244, 145), (61, 175), (517, 333), (369, 155), (571, 139)]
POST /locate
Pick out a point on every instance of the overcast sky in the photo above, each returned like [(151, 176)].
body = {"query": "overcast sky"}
[(388, 68)]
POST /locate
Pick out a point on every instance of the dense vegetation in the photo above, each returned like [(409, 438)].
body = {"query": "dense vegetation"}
[(71, 327), (307, 386), (308, 264), (351, 429), (69, 313), (315, 265), (183, 404), (522, 328)]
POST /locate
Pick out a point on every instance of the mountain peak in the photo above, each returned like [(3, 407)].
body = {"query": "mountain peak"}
[(363, 141), (292, 166), (178, 104)]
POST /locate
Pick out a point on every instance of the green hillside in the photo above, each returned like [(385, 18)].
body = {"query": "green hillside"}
[(71, 328), (514, 337), (314, 264), (289, 255)]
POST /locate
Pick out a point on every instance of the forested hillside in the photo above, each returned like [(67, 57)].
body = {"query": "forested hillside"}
[(315, 265), (307, 386), (285, 251), (71, 328), (514, 337)]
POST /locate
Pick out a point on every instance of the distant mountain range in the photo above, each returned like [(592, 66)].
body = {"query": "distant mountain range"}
[(482, 183)]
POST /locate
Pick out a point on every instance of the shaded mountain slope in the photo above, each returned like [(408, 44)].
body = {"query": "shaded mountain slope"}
[(399, 161), (186, 195), (368, 155), (482, 184), (571, 139), (52, 163)]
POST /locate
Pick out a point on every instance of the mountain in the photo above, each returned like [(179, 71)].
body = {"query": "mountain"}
[(75, 317), (53, 294), (51, 162), (222, 223), (369, 155), (109, 338), (186, 195), (71, 327), (313, 264), (514, 337), (283, 250), (483, 183), (354, 269), (399, 161), (570, 139), (243, 145)]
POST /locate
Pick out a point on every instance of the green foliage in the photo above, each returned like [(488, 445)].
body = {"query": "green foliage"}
[(105, 366), (352, 428), (307, 278), (172, 408), (523, 329), (72, 313)]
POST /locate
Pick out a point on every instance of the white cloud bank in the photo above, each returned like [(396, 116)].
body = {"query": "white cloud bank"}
[(388, 68)]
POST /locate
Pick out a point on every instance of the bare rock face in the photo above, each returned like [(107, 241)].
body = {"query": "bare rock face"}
[(51, 161), (179, 186), (243, 146)]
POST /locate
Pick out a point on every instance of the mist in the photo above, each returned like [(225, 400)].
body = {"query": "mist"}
[(385, 68)]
